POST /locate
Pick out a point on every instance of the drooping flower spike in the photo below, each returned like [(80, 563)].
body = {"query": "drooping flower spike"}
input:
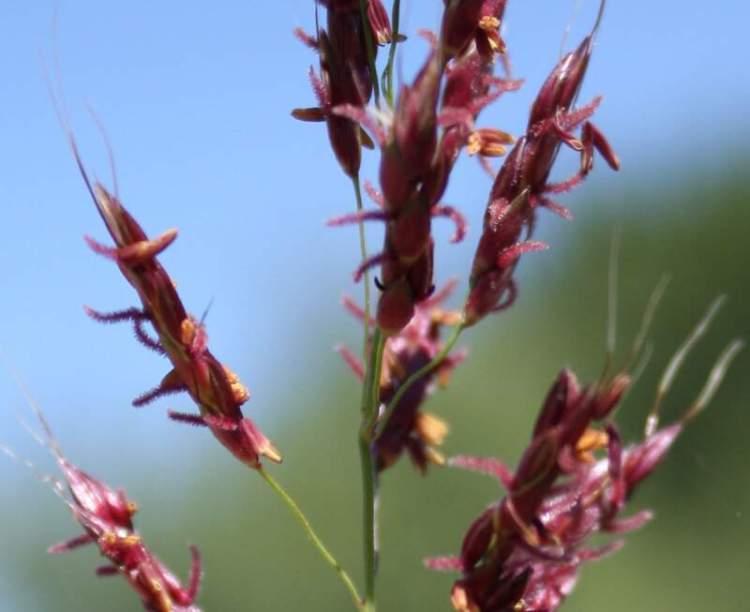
[(106, 516), (522, 184), (216, 390), (524, 552), (409, 428)]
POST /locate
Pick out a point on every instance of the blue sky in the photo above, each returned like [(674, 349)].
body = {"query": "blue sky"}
[(196, 103)]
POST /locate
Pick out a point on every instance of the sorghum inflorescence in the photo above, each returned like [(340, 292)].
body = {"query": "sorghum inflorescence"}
[(523, 552), (420, 141), (216, 390), (106, 516), (409, 428), (522, 184), (345, 74), (575, 477)]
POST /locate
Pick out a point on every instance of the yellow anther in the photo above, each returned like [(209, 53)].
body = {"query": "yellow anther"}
[(111, 538), (269, 451), (187, 331), (460, 600), (488, 142), (392, 368), (591, 440), (489, 23), (434, 457), (474, 144), (431, 429), (446, 317), (240, 394), (131, 540)]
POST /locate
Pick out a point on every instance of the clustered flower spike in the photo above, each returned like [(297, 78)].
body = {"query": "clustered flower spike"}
[(106, 516), (524, 551), (420, 142), (345, 75), (409, 428), (215, 388), (522, 184)]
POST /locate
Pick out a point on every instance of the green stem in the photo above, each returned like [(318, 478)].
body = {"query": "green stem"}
[(368, 469), (363, 256), (388, 72), (371, 385), (317, 542), (370, 404), (368, 521), (370, 45), (423, 371)]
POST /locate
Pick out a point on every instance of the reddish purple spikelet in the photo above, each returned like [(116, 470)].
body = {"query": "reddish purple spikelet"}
[(524, 551), (470, 87), (377, 16), (478, 21), (460, 22), (522, 183), (214, 387), (419, 146), (409, 428), (160, 590), (345, 80), (106, 514), (406, 274), (380, 24)]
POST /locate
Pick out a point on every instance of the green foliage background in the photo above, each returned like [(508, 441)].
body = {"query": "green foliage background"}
[(692, 557)]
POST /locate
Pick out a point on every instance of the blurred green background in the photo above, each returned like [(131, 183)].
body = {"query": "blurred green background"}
[(198, 114), (693, 556)]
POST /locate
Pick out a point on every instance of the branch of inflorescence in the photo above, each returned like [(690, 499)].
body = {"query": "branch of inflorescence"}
[(423, 371), (314, 538), (372, 347), (370, 45), (370, 405), (363, 256), (388, 70)]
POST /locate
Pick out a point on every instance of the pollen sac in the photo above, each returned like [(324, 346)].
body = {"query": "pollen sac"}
[(488, 40), (488, 142), (460, 22)]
